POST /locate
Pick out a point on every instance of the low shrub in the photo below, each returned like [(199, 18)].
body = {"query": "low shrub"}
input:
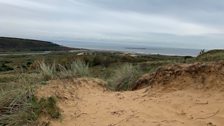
[(4, 67)]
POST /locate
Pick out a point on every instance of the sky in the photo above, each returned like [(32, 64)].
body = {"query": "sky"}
[(196, 24)]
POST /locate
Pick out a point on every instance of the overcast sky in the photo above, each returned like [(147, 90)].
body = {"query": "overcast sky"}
[(165, 23)]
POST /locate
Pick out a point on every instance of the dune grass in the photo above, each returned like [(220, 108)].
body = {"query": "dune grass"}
[(124, 78), (76, 69), (15, 107), (213, 55), (48, 72), (19, 106), (79, 68)]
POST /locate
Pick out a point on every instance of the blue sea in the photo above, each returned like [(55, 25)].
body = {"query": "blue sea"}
[(134, 48)]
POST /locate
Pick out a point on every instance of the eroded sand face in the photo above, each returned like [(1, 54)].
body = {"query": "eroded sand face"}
[(83, 102)]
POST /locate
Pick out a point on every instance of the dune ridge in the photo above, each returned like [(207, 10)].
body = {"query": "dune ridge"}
[(176, 95)]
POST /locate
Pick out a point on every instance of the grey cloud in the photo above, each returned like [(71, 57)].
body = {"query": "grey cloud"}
[(168, 23), (204, 11)]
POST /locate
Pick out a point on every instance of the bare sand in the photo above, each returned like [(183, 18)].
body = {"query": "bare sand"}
[(84, 102)]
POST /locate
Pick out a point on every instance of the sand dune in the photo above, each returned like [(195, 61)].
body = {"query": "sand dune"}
[(83, 102)]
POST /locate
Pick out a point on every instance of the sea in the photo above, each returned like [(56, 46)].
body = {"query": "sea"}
[(134, 48)]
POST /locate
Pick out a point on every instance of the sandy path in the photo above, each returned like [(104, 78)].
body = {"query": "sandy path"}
[(84, 103)]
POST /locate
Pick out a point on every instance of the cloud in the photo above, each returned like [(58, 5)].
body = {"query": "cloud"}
[(121, 21)]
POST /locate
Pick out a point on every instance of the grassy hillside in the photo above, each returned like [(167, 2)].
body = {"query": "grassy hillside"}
[(17, 44), (212, 55)]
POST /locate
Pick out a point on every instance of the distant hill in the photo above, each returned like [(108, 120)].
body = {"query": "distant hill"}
[(16, 44)]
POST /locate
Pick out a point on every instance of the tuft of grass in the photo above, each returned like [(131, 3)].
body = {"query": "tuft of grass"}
[(64, 72), (124, 78), (20, 107), (80, 69), (48, 107), (48, 72), (15, 107), (77, 69)]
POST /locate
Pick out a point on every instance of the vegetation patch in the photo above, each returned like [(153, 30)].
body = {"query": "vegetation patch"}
[(213, 55), (76, 69), (20, 107), (48, 72), (124, 78), (80, 69), (4, 67), (17, 44)]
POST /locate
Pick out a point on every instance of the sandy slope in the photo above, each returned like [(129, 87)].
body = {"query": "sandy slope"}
[(84, 103)]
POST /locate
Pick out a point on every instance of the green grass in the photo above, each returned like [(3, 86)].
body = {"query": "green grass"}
[(19, 106), (5, 78), (80, 68), (46, 106), (48, 72), (124, 78), (16, 107), (76, 69), (213, 55)]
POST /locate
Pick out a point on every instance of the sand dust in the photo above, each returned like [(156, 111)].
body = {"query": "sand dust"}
[(83, 102)]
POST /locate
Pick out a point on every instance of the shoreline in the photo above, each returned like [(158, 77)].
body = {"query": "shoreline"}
[(134, 52)]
